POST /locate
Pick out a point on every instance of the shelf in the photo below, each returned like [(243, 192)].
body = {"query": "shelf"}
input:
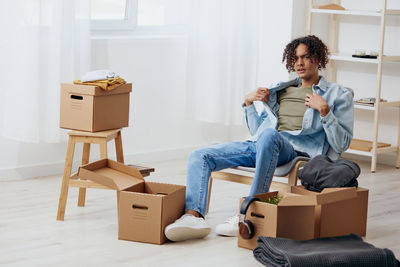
[(359, 106), (364, 145), (343, 57), (358, 152), (392, 104), (369, 153), (346, 57), (392, 12), (356, 12), (387, 149), (391, 58)]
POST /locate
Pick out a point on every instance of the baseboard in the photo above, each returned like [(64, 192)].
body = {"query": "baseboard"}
[(57, 168), (30, 171)]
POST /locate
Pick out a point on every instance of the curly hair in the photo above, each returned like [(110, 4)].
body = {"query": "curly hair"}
[(316, 49)]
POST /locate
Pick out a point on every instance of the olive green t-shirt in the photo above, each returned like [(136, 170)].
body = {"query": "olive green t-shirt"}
[(292, 107)]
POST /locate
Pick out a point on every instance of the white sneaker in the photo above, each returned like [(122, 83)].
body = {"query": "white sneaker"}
[(187, 227), (229, 228)]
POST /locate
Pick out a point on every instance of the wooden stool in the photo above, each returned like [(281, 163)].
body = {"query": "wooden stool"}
[(86, 138)]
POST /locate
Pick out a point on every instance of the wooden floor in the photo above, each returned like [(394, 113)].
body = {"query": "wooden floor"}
[(31, 236)]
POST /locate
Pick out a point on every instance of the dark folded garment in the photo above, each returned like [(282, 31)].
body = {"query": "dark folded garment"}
[(349, 250), (322, 172)]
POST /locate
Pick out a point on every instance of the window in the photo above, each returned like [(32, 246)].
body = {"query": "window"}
[(107, 10), (162, 12), (113, 14), (133, 14)]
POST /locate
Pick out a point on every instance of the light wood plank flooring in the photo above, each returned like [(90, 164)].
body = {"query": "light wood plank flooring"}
[(31, 236)]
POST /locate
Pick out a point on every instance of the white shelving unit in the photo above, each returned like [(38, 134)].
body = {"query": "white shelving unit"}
[(337, 56)]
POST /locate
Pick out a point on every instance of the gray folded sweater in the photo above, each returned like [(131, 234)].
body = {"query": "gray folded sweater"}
[(349, 250)]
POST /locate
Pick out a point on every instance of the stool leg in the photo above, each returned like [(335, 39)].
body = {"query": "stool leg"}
[(118, 148), (85, 160), (103, 149), (65, 180)]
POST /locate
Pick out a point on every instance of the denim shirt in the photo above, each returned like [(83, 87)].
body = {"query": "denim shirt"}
[(318, 133)]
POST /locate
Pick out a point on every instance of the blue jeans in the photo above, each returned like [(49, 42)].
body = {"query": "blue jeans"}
[(270, 150)]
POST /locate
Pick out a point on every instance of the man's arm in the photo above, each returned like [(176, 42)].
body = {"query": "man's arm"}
[(253, 120), (337, 124), (261, 94)]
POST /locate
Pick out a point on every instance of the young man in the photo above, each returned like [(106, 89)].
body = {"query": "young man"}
[(304, 116)]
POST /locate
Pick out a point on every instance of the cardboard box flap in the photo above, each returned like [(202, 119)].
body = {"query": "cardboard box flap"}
[(290, 199), (111, 173), (80, 89), (328, 195)]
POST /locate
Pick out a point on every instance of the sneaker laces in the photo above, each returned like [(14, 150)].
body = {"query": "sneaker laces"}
[(191, 216), (232, 220)]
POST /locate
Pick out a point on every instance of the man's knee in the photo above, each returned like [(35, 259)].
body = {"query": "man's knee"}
[(199, 155), (268, 135)]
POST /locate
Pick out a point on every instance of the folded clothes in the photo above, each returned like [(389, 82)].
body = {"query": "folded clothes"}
[(97, 75), (349, 250), (322, 172), (107, 84)]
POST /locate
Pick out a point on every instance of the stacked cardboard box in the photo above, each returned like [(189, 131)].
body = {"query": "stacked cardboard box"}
[(90, 108)]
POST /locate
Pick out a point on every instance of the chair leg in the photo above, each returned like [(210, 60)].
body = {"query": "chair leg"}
[(85, 160), (293, 174), (118, 148), (209, 193), (292, 178), (65, 181)]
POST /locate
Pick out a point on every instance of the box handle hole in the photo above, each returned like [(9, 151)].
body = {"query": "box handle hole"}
[(77, 97), (163, 194), (139, 207), (253, 214)]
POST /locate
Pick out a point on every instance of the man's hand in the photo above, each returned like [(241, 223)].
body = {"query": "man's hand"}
[(317, 102), (261, 94)]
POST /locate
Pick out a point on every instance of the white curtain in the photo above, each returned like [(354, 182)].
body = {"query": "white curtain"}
[(42, 43), (222, 58)]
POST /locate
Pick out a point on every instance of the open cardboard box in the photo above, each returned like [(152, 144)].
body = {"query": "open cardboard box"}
[(144, 208), (341, 211), (304, 214), (90, 108), (293, 218)]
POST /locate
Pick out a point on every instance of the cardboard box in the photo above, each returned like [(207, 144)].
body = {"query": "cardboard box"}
[(144, 208), (90, 108), (341, 211), (293, 218), (304, 214)]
